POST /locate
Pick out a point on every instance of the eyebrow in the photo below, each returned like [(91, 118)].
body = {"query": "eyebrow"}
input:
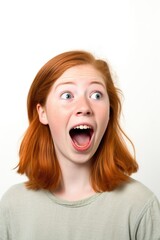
[(72, 83), (99, 83)]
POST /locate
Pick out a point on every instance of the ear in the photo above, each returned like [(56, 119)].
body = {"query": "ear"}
[(42, 114)]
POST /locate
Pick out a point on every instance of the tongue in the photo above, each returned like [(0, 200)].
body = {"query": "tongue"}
[(81, 139)]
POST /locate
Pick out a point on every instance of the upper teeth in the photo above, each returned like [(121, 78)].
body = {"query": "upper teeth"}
[(82, 127)]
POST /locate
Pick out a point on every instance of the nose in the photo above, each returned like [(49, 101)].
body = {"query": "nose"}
[(83, 107)]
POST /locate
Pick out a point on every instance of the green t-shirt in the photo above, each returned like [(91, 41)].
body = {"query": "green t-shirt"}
[(129, 212)]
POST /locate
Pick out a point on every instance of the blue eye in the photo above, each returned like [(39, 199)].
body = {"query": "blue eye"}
[(96, 95), (66, 95)]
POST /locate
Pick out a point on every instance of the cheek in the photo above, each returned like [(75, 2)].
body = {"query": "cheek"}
[(55, 129), (54, 122), (103, 113), (103, 116)]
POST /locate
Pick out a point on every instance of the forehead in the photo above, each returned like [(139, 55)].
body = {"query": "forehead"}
[(80, 72)]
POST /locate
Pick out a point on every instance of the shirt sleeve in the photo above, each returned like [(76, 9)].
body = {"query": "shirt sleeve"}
[(4, 231), (148, 226)]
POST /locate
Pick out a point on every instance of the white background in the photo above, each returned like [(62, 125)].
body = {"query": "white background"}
[(124, 32)]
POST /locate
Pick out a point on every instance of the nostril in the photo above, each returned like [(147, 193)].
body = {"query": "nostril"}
[(83, 113)]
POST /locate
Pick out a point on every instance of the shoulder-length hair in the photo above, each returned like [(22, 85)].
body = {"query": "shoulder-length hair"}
[(112, 164)]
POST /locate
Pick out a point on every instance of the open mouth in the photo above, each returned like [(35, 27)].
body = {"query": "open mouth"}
[(81, 136)]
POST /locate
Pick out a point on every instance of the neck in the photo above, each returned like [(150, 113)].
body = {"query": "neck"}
[(75, 184)]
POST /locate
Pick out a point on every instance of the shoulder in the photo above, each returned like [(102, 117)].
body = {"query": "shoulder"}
[(144, 210), (14, 189), (18, 195), (11, 196), (134, 205), (141, 196), (137, 199), (134, 191), (14, 192), (133, 197)]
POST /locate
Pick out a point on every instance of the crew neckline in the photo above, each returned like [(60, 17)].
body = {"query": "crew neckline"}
[(73, 204)]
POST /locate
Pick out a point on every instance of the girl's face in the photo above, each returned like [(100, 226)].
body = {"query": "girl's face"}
[(77, 112)]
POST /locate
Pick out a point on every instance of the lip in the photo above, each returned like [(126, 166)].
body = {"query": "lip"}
[(88, 145)]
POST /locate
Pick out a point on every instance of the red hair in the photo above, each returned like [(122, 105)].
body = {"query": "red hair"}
[(112, 164)]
